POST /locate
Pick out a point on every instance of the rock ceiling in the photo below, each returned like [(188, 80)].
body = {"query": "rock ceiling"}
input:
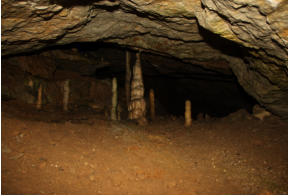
[(250, 36)]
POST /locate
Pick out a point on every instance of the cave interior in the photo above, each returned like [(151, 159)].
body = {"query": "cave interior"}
[(59, 63), (214, 93)]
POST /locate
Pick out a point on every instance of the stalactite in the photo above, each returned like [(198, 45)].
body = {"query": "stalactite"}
[(114, 99), (66, 92), (152, 104), (39, 98), (128, 78), (137, 105), (188, 120)]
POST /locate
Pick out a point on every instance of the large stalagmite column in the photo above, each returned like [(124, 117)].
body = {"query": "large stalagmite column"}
[(128, 78), (137, 105), (66, 93), (114, 100)]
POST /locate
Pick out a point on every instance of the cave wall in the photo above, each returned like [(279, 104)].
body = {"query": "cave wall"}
[(257, 30), (261, 27), (22, 76)]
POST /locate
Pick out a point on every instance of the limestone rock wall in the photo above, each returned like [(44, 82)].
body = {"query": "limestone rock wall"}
[(21, 81), (261, 27)]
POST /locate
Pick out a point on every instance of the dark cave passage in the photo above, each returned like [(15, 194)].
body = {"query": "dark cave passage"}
[(216, 97), (208, 97), (213, 93)]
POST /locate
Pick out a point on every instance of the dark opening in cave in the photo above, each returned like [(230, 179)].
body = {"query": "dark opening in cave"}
[(210, 92), (214, 92)]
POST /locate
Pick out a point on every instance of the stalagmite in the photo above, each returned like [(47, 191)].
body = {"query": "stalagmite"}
[(30, 83), (128, 78), (137, 105), (188, 120), (39, 98), (152, 104), (31, 99), (114, 100), (66, 92)]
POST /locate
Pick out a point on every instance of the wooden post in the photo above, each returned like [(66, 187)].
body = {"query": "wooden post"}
[(152, 104), (114, 99), (128, 78), (188, 120), (39, 98), (66, 93)]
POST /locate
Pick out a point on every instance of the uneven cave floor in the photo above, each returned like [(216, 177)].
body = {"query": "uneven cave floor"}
[(85, 154)]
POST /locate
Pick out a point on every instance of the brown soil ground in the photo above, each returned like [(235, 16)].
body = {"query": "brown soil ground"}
[(85, 154)]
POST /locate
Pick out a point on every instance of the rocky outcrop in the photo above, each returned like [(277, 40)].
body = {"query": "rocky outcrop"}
[(261, 27), (26, 30), (250, 37)]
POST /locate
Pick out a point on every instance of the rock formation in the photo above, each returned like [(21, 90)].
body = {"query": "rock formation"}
[(114, 101), (250, 37), (152, 104), (188, 119), (261, 28), (137, 105)]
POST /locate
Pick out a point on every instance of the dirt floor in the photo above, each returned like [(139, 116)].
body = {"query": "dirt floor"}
[(83, 153)]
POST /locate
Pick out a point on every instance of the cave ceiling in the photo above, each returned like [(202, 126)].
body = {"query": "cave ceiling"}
[(248, 37)]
